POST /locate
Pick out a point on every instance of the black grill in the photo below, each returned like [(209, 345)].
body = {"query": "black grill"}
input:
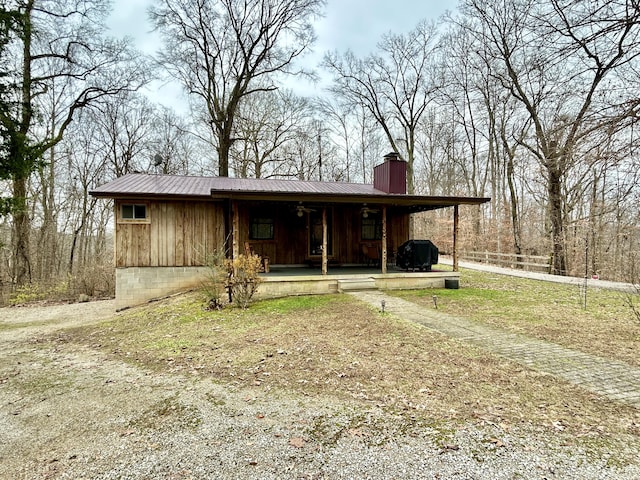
[(417, 255)]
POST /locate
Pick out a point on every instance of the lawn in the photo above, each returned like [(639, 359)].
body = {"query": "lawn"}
[(334, 346), (548, 311)]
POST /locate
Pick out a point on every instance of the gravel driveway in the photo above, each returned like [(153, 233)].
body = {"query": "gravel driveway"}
[(76, 413)]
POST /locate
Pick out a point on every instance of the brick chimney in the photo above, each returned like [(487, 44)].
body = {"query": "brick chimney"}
[(391, 176)]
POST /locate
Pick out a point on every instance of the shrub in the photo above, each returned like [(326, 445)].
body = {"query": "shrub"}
[(28, 293), (94, 280), (243, 278), (215, 285)]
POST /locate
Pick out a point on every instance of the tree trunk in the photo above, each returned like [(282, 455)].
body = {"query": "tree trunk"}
[(554, 189), (223, 158), (513, 200), (21, 219), (21, 232), (46, 258)]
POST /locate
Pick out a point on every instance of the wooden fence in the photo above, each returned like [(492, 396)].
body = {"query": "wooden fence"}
[(539, 263)]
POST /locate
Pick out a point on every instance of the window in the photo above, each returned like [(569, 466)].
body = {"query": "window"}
[(371, 227), (133, 212), (261, 228)]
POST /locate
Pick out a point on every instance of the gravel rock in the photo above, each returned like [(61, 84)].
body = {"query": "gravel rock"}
[(73, 413)]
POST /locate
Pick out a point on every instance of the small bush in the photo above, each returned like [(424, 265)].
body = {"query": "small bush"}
[(37, 292), (243, 278), (96, 280), (29, 293), (632, 300), (215, 285)]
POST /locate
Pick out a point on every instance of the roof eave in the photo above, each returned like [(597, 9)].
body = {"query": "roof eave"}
[(383, 199), (413, 202), (156, 195)]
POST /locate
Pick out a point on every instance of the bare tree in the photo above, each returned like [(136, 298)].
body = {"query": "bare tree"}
[(172, 146), (59, 42), (395, 85), (225, 50), (268, 121), (126, 121), (556, 59)]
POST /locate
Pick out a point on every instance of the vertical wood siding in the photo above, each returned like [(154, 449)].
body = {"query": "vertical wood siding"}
[(290, 243), (182, 233), (178, 234)]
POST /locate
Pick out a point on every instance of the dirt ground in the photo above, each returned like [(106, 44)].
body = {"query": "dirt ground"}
[(77, 412), (39, 320)]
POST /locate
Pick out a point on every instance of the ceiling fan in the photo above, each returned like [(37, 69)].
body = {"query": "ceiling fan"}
[(301, 210), (366, 211)]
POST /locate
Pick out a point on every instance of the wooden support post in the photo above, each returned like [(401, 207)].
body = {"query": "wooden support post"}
[(324, 241), (384, 240), (235, 232), (116, 207), (456, 221)]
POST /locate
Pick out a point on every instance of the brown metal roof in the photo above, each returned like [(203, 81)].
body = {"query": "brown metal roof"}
[(174, 186)]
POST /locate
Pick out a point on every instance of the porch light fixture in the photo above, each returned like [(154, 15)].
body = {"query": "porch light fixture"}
[(365, 214), (300, 212)]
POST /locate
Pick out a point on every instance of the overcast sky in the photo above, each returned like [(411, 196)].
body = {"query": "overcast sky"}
[(348, 24)]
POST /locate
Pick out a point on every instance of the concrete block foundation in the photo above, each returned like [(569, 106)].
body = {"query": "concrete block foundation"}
[(138, 285)]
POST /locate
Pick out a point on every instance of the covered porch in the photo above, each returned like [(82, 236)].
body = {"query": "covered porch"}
[(329, 235)]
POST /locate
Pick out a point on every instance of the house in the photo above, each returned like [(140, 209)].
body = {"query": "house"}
[(166, 225)]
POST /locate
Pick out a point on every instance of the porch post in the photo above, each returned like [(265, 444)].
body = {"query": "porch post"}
[(324, 240), (456, 219), (384, 240), (235, 229)]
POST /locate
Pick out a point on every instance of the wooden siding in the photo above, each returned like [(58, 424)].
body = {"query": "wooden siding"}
[(182, 233), (178, 234), (290, 243)]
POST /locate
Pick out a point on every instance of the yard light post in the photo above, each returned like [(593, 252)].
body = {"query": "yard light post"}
[(382, 304)]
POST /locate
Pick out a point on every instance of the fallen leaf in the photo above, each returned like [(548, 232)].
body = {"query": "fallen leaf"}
[(498, 443), (450, 448), (504, 427), (297, 442)]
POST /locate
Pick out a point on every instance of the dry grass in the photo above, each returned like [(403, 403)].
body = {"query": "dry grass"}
[(544, 310), (335, 346)]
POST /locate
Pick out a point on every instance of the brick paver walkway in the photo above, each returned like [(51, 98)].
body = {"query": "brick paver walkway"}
[(615, 380)]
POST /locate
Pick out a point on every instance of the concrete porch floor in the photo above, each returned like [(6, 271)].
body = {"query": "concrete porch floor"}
[(293, 280)]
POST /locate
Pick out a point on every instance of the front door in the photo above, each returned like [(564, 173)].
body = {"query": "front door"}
[(315, 232)]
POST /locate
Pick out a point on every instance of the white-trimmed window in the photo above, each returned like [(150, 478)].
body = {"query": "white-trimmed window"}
[(134, 212)]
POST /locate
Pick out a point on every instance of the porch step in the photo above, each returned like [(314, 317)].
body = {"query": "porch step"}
[(351, 284)]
